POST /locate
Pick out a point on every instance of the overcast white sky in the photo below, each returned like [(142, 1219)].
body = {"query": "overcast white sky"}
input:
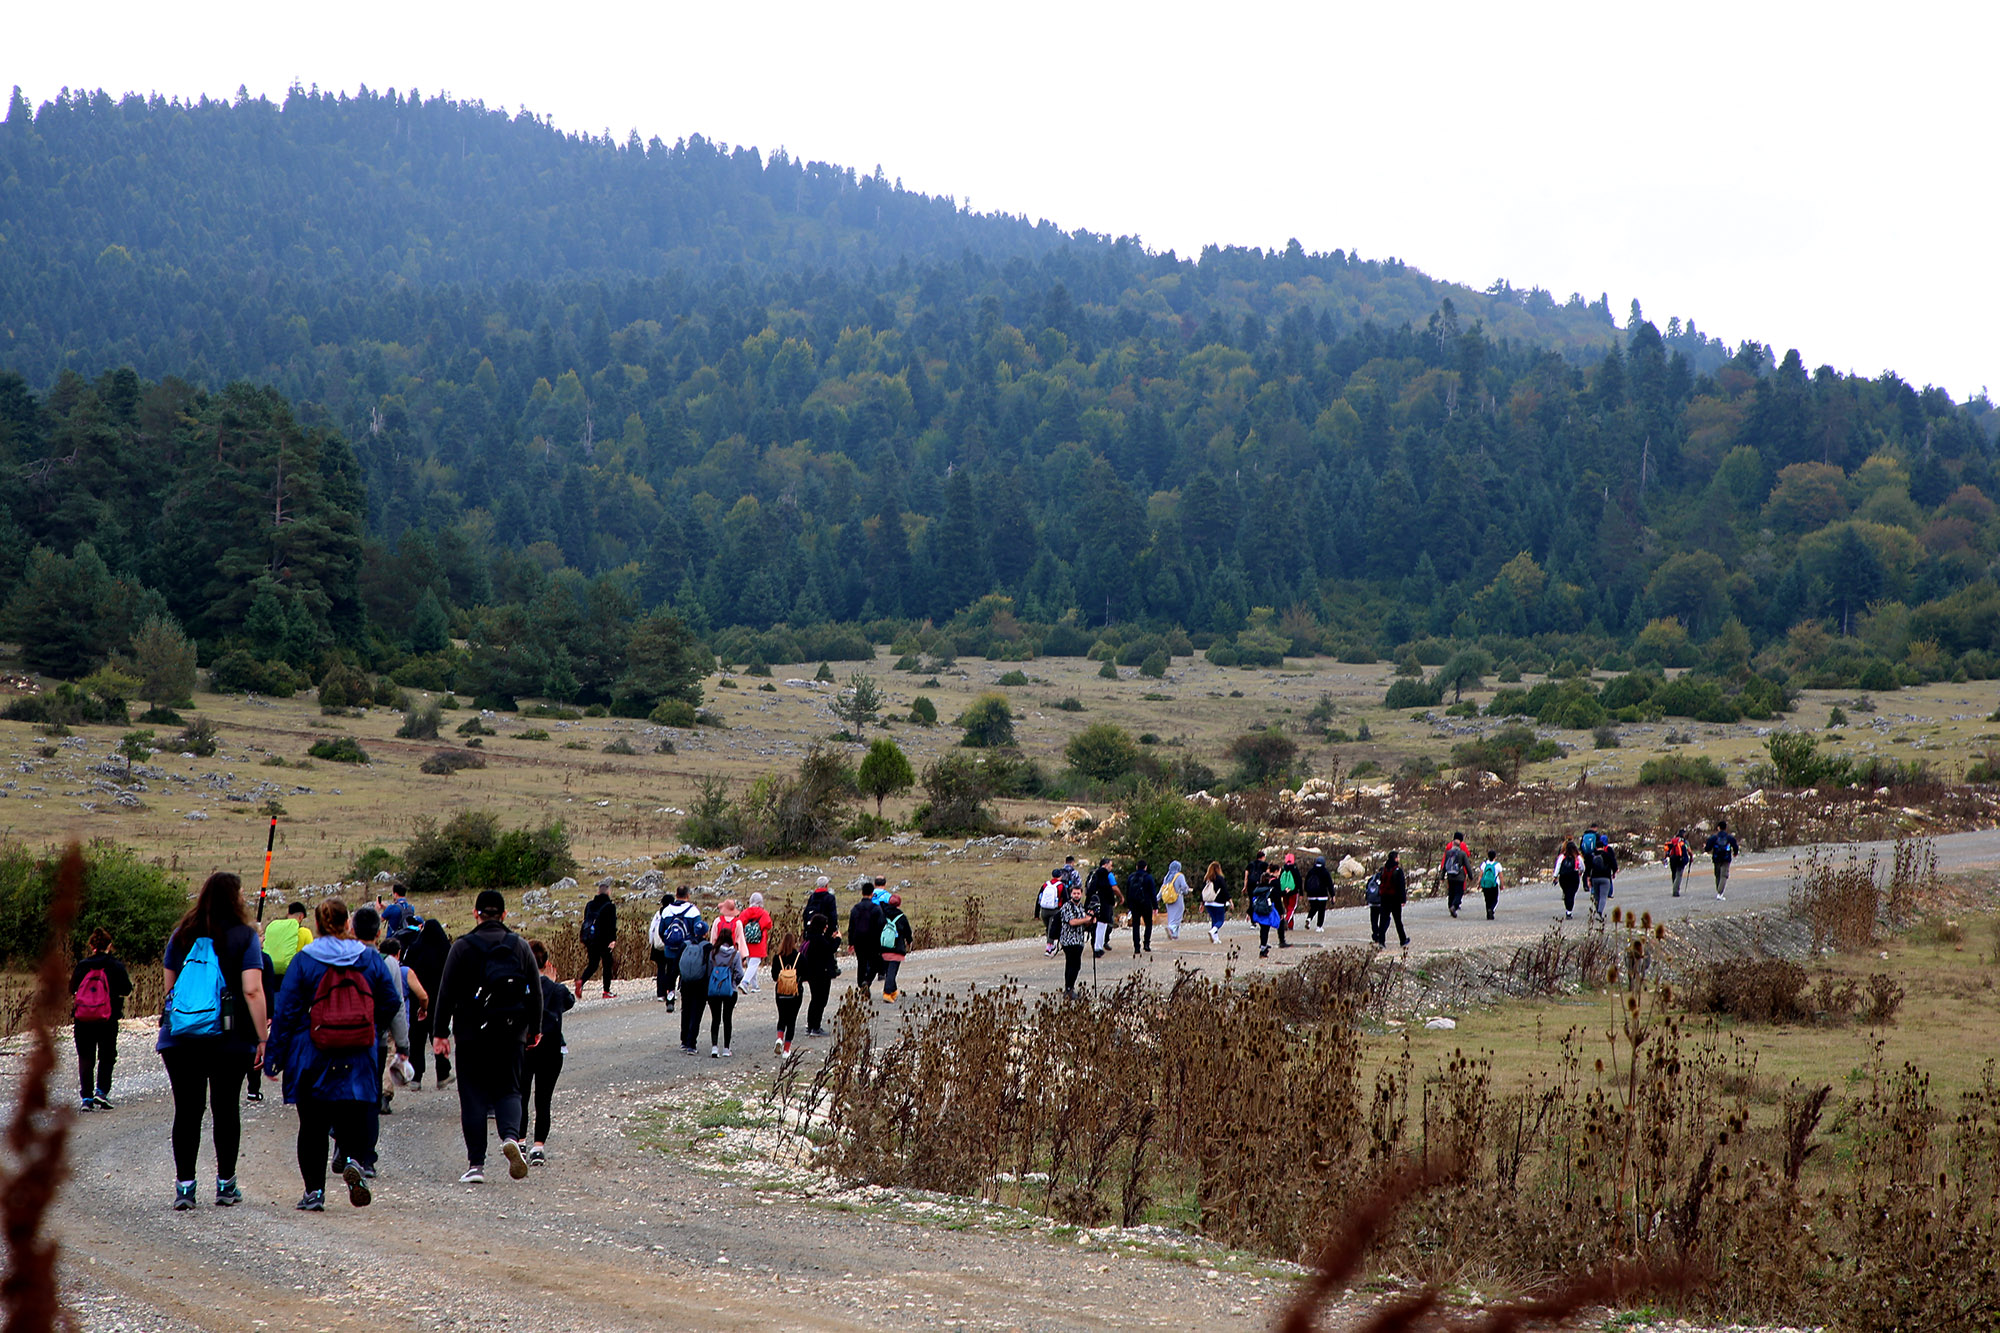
[(1818, 176)]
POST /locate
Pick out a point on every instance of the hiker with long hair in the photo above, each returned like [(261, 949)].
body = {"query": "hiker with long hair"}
[(542, 1065), (336, 1003), (1392, 891), (426, 959), (1215, 900), (98, 985), (1267, 911), (212, 1029), (819, 966), (1174, 893), (1569, 875), (725, 978), (785, 963)]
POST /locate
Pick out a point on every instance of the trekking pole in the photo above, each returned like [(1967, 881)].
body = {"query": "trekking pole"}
[(263, 891)]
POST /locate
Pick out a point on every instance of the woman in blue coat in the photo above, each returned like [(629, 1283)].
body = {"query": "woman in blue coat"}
[(326, 1043)]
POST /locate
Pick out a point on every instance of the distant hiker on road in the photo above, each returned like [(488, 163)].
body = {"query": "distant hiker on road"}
[(543, 1063), (1289, 889), (1569, 872), (1457, 866), (1678, 857), (600, 936), (725, 978), (1174, 893), (691, 970), (212, 1029), (1215, 900), (818, 968), (490, 1000), (678, 925), (1265, 912), (1722, 849), (1319, 892), (336, 1003), (1101, 895), (1490, 875), (1600, 860), (864, 935), (1077, 929), (896, 939), (755, 932), (1048, 908), (400, 912), (426, 959), (1392, 891), (820, 900), (1142, 895), (787, 988), (98, 985)]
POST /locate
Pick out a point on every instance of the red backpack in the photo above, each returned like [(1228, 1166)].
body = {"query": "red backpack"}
[(93, 997), (342, 1017)]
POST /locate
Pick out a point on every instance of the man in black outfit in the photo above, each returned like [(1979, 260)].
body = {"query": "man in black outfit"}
[(491, 1000), (1142, 896), (600, 933), (864, 935)]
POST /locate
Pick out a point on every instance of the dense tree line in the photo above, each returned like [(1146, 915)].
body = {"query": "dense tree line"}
[(585, 382)]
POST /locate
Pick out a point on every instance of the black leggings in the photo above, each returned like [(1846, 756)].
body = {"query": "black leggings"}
[(420, 1046), (1072, 964), (788, 1016), (820, 987), (1137, 918), (96, 1052), (207, 1075), (692, 994), (1380, 917), (1052, 922), (1264, 934), (346, 1121), (1316, 911), (721, 1015), (540, 1070), (600, 954), (1569, 894), (489, 1085)]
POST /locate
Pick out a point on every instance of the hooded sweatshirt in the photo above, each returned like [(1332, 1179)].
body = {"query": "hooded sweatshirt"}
[(334, 1076)]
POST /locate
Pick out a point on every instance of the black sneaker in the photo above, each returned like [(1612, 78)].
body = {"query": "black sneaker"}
[(312, 1201), (183, 1196), (226, 1193), (102, 1103), (358, 1192)]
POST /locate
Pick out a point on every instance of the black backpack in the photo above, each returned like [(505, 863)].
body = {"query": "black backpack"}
[(499, 1004)]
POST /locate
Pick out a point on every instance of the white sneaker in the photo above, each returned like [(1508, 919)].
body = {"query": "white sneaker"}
[(517, 1160), (474, 1175), (778, 1047), (714, 1052), (725, 1051)]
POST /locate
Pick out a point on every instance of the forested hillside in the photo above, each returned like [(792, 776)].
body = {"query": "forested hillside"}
[(528, 384)]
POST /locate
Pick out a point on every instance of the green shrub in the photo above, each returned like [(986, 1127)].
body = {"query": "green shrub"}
[(339, 750), (1412, 692), (421, 724), (1155, 664), (239, 673), (198, 738), (1262, 758), (923, 712), (136, 901), (672, 713), (1069, 703), (955, 793), (712, 819), (474, 726), (553, 712), (619, 746), (1014, 678), (447, 762), (1162, 826), (1102, 750), (1109, 671), (1682, 770), (988, 721), (373, 862), (471, 851), (532, 734)]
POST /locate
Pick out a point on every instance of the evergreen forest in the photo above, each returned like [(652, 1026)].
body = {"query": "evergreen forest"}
[(406, 385)]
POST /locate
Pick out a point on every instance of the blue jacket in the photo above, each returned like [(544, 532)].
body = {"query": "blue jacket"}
[(354, 1076)]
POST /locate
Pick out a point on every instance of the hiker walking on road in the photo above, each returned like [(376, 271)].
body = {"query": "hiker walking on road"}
[(1048, 907), (212, 1030), (785, 984), (336, 1003), (543, 1063), (818, 968), (820, 900), (1174, 893), (1392, 891), (1569, 875), (864, 935), (1289, 890), (426, 959), (677, 925), (754, 929), (725, 978), (1142, 896), (1457, 866), (896, 939), (490, 1001), (98, 985), (1600, 859), (1319, 892), (287, 935), (1101, 895), (1077, 929), (691, 970), (1215, 900), (1722, 849), (600, 936), (1490, 875), (1678, 858), (415, 1000), (1265, 912)]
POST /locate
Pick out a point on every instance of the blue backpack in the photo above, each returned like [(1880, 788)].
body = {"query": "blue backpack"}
[(722, 976), (199, 1005)]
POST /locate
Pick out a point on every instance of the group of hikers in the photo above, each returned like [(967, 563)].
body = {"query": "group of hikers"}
[(1079, 912)]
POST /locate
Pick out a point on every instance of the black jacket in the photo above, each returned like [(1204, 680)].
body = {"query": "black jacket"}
[(864, 926), (465, 968), (1142, 891), (821, 957), (1395, 886), (115, 976), (556, 1001), (821, 901), (1101, 895), (600, 920), (1319, 882)]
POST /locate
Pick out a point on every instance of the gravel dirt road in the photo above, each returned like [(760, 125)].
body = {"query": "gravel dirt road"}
[(620, 1232)]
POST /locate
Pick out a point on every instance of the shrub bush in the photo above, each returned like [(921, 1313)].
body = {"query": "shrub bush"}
[(1014, 678), (199, 738), (447, 762), (672, 713), (471, 851), (955, 793), (339, 750), (1162, 826), (421, 724), (988, 722), (1682, 770), (1102, 750), (136, 901), (923, 712)]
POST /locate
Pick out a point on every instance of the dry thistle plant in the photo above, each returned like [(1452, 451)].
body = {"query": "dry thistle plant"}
[(38, 1135)]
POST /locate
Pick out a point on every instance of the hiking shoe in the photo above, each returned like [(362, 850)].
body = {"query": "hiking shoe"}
[(312, 1201), (715, 1052), (340, 1164), (538, 1156), (183, 1196), (778, 1047), (358, 1192), (1264, 952), (401, 1071), (250, 1095), (725, 1052), (102, 1103), (889, 996), (609, 996), (474, 1175), (226, 1193), (86, 1104), (517, 1160), (444, 1077), (786, 1049)]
